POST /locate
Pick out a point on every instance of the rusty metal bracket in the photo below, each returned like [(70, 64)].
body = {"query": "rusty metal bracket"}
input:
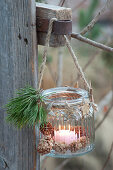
[(60, 27), (44, 12)]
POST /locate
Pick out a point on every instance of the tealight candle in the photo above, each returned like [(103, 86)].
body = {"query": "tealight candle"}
[(65, 136)]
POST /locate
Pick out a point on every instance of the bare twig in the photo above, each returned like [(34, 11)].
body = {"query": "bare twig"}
[(96, 18), (87, 64), (89, 27), (105, 164), (105, 116), (108, 157), (61, 3), (62, 164), (79, 5), (51, 73), (91, 42), (104, 102), (92, 59)]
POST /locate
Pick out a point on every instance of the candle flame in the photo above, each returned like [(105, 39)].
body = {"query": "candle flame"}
[(59, 127), (64, 127), (69, 127), (79, 134), (74, 130)]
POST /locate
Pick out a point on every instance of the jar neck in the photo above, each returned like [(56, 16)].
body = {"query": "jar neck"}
[(62, 95)]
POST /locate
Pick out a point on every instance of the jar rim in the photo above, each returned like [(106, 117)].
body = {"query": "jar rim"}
[(61, 95)]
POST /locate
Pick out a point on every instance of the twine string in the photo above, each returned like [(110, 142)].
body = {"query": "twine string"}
[(42, 68), (70, 50), (76, 62)]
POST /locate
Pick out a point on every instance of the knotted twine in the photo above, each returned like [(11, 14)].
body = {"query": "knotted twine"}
[(86, 84), (76, 62), (70, 50), (46, 50)]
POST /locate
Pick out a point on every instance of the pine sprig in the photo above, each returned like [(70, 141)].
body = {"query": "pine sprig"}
[(27, 108)]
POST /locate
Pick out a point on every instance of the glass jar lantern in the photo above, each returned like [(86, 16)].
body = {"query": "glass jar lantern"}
[(69, 130)]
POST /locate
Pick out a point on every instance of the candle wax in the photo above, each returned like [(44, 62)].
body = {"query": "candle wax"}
[(65, 136)]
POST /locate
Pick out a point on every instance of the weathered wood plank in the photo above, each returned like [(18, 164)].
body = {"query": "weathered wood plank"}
[(18, 67), (46, 11)]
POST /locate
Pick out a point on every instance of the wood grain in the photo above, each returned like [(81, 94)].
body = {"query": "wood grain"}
[(18, 67), (50, 11)]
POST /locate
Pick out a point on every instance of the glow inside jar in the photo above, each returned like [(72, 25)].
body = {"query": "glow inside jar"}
[(72, 131)]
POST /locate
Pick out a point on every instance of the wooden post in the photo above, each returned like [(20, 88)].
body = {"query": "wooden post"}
[(18, 67), (46, 12)]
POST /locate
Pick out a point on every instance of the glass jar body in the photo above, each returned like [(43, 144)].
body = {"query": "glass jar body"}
[(69, 130)]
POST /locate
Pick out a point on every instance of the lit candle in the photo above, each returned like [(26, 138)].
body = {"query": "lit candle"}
[(65, 136), (79, 134)]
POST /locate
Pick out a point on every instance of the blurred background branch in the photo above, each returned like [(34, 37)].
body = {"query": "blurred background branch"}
[(91, 42), (60, 68), (105, 116), (94, 28), (95, 19), (61, 3), (62, 164), (108, 157)]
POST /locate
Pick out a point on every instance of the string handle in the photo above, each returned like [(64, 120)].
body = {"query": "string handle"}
[(76, 62), (45, 51), (70, 50)]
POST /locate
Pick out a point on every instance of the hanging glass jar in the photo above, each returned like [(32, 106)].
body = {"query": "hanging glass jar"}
[(69, 130)]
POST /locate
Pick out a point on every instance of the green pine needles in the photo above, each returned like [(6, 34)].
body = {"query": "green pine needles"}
[(27, 108)]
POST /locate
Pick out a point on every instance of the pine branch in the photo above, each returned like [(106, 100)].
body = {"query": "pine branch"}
[(26, 108)]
